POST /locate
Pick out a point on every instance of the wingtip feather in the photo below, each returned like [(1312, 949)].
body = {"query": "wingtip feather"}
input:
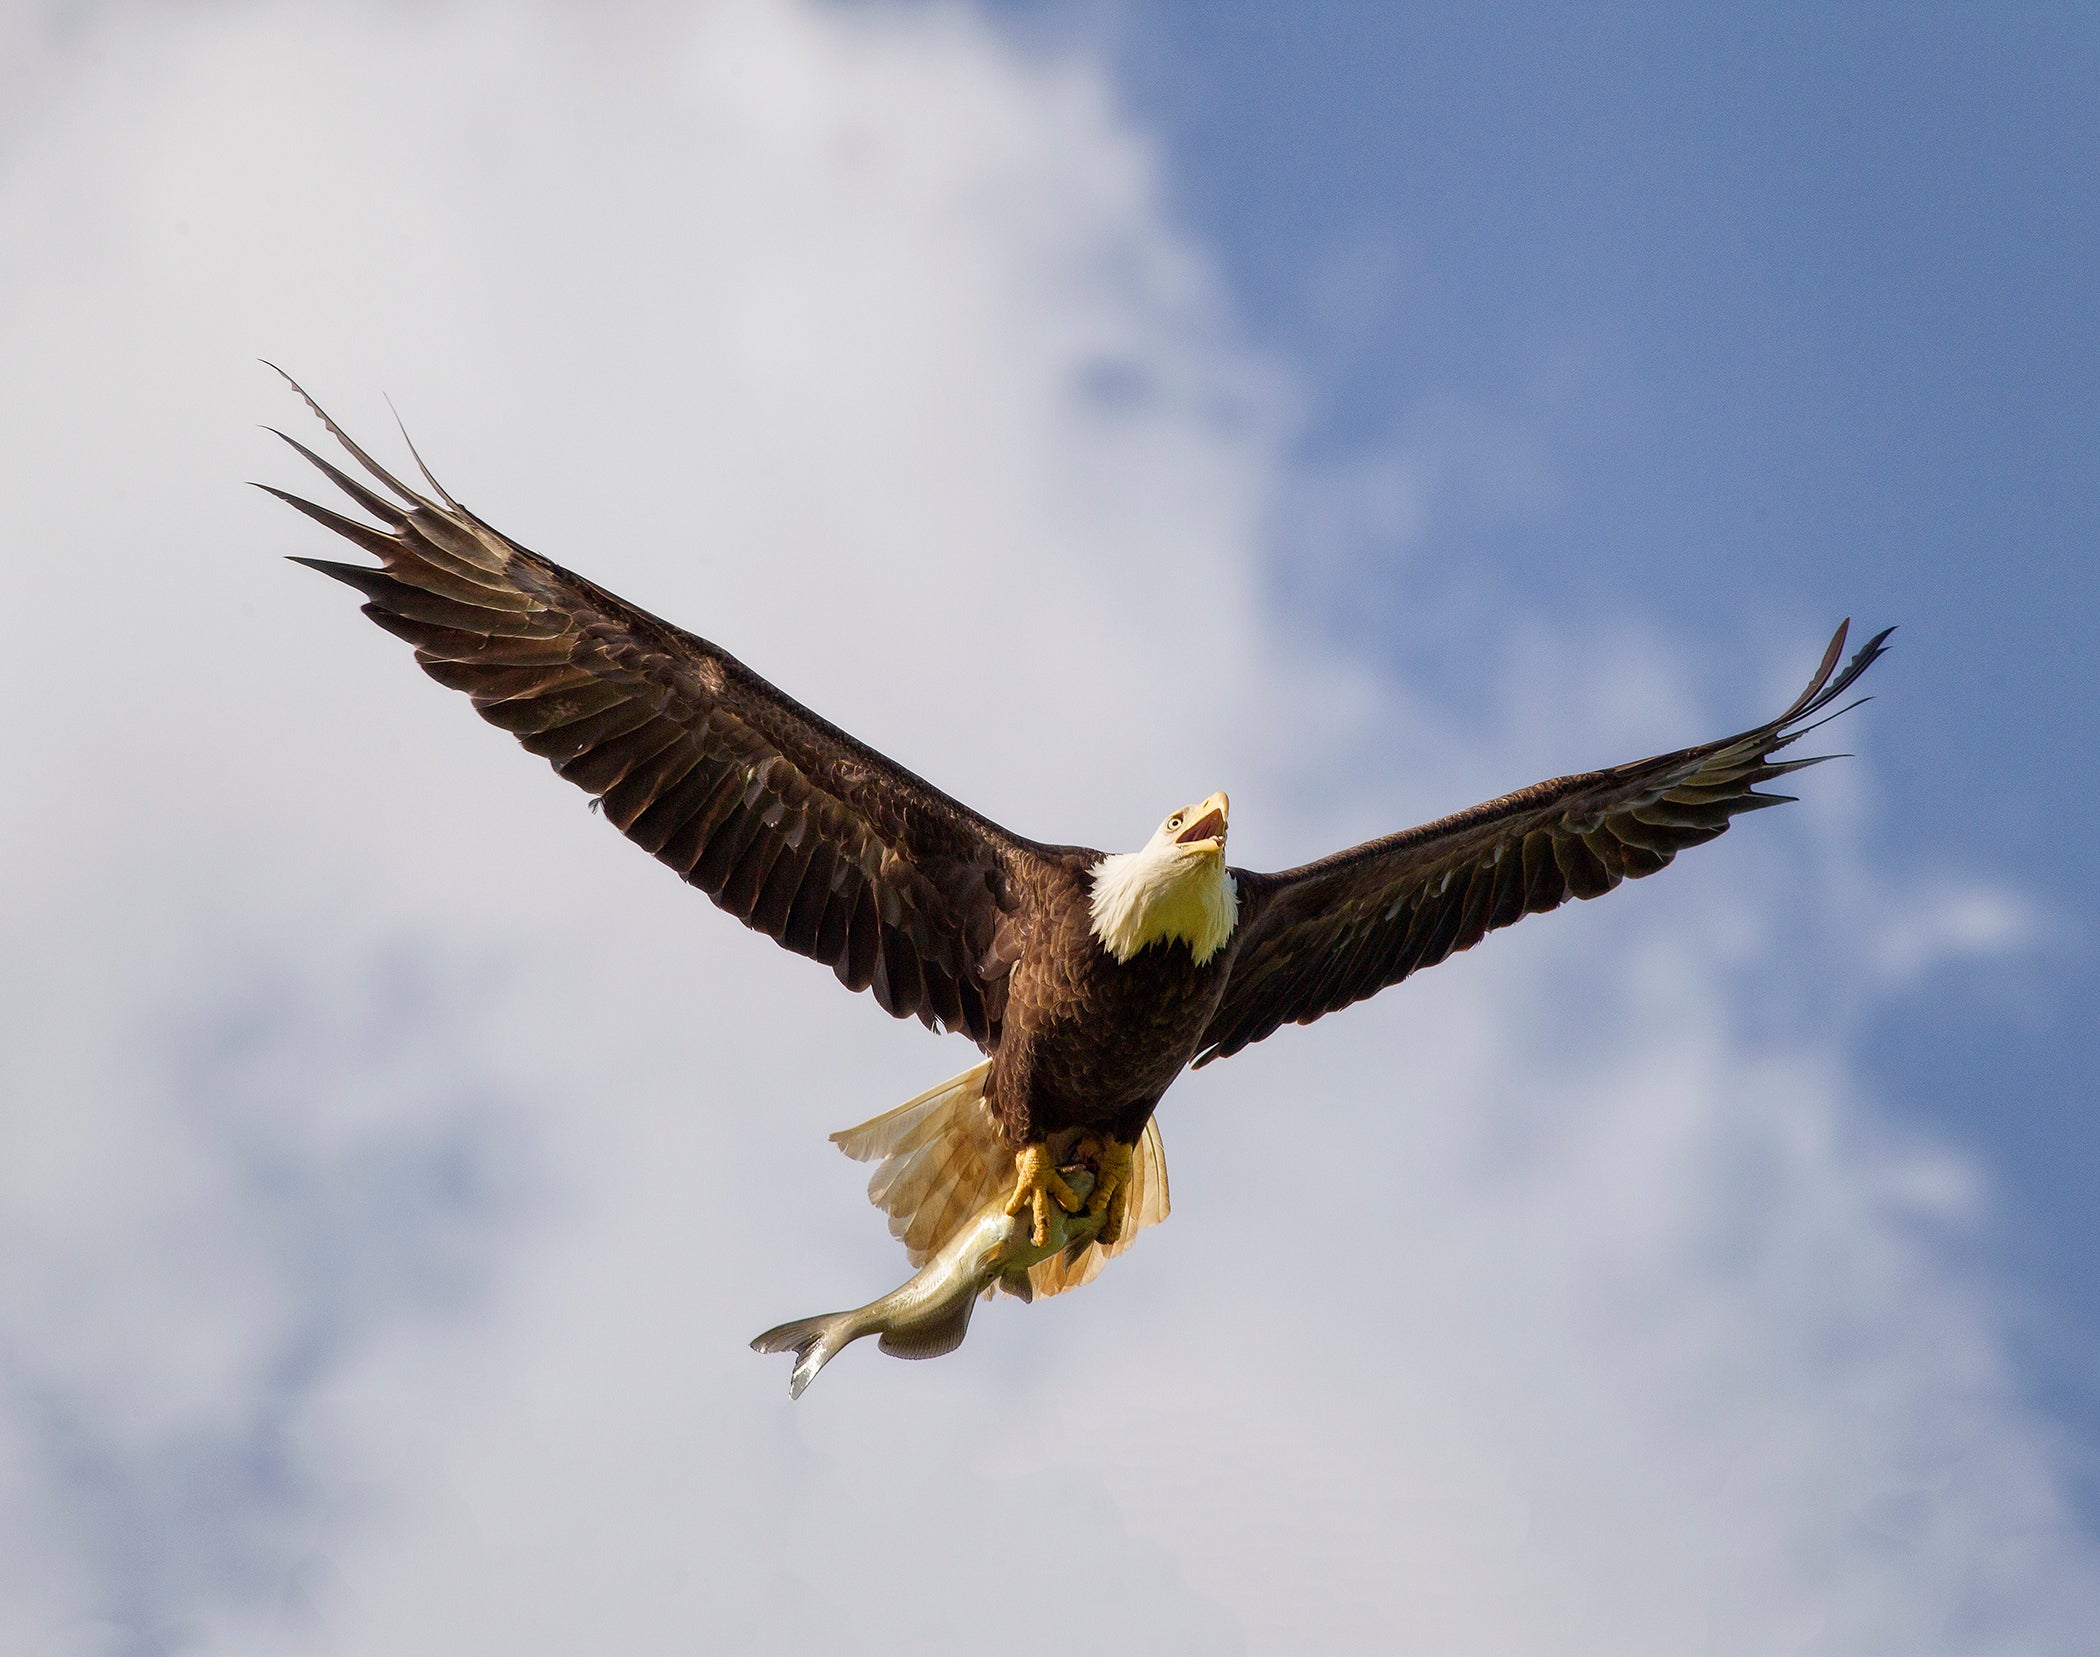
[(375, 541), (378, 471), (373, 502), (351, 575), (402, 426)]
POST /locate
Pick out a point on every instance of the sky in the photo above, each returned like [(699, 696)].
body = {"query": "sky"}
[(1774, 313), (1366, 410)]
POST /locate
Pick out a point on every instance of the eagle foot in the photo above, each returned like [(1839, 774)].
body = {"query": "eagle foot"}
[(1037, 1186), (1114, 1163)]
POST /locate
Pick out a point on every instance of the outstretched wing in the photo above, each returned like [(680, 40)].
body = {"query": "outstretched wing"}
[(783, 819), (1346, 927)]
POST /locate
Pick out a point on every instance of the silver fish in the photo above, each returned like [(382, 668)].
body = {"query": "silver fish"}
[(929, 1313)]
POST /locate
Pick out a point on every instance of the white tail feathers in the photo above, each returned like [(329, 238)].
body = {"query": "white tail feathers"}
[(942, 1158)]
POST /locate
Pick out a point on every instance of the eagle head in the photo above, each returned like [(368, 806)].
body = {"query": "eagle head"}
[(1175, 888)]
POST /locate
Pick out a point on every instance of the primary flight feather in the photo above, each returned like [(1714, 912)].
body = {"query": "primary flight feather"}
[(1089, 981)]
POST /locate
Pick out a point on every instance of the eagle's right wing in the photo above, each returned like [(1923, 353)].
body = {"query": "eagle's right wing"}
[(784, 820)]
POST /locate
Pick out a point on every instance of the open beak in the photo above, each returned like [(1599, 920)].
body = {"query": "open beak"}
[(1208, 826)]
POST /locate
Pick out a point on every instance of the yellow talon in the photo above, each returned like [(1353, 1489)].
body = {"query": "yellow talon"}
[(1037, 1185), (1115, 1163)]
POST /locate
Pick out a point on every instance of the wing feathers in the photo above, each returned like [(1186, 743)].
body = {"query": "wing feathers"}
[(783, 819), (1333, 932), (376, 504)]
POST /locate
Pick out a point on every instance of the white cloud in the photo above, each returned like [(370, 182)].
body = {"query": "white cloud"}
[(1955, 922), (1558, 1303)]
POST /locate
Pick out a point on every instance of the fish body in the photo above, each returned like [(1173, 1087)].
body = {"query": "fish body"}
[(929, 1313)]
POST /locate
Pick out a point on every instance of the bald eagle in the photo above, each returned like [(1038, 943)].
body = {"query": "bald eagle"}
[(1089, 981)]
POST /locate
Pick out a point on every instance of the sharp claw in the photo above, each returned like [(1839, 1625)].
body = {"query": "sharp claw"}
[(1112, 1227), (1111, 1194), (1036, 1188)]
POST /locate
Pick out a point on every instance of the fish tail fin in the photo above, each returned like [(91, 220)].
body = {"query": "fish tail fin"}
[(940, 1158), (814, 1341)]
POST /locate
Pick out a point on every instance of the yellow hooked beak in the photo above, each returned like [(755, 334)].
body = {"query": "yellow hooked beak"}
[(1208, 824)]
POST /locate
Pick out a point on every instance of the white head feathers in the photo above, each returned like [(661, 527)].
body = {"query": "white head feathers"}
[(1176, 888)]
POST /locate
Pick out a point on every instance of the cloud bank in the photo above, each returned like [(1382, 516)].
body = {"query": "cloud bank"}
[(397, 1162)]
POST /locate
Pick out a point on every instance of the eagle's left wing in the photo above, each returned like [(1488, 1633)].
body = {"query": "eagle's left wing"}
[(1333, 932)]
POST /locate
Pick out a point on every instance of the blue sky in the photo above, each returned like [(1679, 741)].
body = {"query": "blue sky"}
[(1797, 307), (398, 1163)]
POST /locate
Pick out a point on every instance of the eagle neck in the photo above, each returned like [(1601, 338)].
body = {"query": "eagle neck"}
[(1163, 893)]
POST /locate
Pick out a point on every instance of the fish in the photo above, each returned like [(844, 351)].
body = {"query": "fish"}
[(929, 1313)]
